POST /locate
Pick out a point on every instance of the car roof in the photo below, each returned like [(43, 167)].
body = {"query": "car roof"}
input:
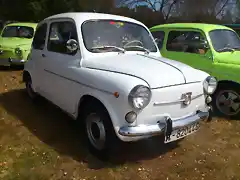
[(233, 25), (29, 24), (202, 26), (83, 16)]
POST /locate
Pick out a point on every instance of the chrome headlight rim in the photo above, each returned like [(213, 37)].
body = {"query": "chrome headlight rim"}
[(135, 93), (18, 51), (212, 82)]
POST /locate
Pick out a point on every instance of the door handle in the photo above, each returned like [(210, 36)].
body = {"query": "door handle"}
[(43, 55)]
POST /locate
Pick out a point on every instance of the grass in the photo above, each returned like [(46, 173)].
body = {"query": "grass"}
[(38, 141)]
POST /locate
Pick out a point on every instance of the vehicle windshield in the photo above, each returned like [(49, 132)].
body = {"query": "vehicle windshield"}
[(224, 40), (18, 31), (109, 35)]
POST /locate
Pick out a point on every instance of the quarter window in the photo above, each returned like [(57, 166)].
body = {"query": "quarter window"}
[(186, 41), (40, 36), (159, 38), (60, 33)]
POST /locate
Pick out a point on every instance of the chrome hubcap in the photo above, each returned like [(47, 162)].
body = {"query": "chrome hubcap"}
[(228, 102), (96, 131)]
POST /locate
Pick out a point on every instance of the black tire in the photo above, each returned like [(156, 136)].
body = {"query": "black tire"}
[(28, 85), (97, 124), (227, 108)]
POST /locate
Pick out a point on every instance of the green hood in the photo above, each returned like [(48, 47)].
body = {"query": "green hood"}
[(12, 43), (229, 57)]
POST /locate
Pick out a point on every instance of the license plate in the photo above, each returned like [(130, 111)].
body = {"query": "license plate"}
[(182, 132)]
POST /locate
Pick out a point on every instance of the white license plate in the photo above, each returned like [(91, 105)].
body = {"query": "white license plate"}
[(182, 132)]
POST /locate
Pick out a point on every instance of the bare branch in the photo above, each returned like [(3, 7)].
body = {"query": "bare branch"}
[(221, 9), (170, 8)]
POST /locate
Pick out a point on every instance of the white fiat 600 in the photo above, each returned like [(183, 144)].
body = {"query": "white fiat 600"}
[(106, 71)]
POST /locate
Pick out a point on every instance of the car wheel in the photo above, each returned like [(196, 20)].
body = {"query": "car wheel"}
[(99, 133), (226, 101), (33, 95)]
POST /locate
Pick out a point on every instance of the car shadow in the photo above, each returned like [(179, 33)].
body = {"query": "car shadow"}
[(53, 127)]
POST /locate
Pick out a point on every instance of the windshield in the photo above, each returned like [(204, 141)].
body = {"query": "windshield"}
[(224, 39), (18, 31), (115, 35)]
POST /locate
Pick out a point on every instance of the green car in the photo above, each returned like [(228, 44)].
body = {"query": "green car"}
[(214, 49), (15, 43)]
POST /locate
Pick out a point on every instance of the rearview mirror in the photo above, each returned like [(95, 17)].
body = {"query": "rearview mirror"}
[(72, 45), (204, 44)]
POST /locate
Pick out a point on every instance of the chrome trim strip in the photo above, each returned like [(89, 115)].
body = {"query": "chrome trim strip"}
[(119, 73), (167, 64), (177, 101), (92, 87)]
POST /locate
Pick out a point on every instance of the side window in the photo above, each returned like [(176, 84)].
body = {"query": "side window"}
[(186, 41), (59, 34), (159, 38), (39, 37)]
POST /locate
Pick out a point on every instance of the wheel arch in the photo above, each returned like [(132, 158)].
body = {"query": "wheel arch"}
[(228, 82), (87, 99)]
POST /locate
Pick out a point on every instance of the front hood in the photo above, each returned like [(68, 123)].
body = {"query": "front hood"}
[(156, 71), (12, 43), (229, 57)]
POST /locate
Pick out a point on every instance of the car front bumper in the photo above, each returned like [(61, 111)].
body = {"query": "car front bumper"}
[(161, 128), (11, 61)]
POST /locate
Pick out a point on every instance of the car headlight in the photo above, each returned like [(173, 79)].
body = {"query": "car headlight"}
[(210, 85), (139, 97), (18, 51)]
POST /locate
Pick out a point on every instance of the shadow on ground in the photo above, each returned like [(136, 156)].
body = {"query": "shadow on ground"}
[(56, 129), (11, 68)]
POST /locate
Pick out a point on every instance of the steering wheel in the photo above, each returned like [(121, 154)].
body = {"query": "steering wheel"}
[(133, 41)]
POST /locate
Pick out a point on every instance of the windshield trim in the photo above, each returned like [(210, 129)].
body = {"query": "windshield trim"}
[(15, 27), (95, 20), (221, 30)]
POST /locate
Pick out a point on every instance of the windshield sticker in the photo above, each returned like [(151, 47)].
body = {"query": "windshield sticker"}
[(117, 24)]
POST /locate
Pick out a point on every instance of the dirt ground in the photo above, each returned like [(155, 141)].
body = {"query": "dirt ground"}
[(38, 141)]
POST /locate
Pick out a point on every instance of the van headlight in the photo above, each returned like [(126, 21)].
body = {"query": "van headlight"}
[(139, 97), (210, 85)]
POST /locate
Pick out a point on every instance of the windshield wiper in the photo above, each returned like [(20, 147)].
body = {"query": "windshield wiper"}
[(236, 47), (114, 47), (139, 47), (226, 49)]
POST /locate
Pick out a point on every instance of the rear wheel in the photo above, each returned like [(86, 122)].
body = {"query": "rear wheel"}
[(28, 84), (227, 100)]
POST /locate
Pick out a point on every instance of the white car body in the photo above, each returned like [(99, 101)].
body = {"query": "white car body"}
[(65, 80)]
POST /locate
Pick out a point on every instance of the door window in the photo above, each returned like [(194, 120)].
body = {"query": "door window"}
[(186, 41), (59, 34), (159, 38), (40, 36)]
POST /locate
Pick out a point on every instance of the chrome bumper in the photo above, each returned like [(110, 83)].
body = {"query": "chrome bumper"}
[(160, 128), (10, 61)]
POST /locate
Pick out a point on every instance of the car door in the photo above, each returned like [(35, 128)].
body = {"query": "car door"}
[(60, 66), (184, 45), (36, 55)]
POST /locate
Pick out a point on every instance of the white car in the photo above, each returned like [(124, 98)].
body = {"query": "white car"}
[(106, 71)]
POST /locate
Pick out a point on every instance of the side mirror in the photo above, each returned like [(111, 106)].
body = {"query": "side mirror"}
[(72, 45)]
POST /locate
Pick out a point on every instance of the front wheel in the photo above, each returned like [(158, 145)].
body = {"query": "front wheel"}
[(226, 101), (99, 132)]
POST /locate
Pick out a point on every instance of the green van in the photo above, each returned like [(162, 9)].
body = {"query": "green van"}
[(214, 49)]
